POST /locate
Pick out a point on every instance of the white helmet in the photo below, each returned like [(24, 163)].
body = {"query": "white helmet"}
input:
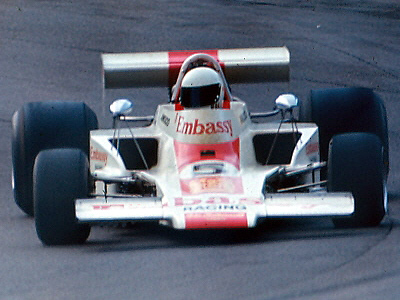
[(200, 87)]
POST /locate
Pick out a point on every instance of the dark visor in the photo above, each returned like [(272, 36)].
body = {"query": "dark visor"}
[(200, 96)]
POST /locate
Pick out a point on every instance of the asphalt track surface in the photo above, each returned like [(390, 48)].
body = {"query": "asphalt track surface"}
[(50, 50)]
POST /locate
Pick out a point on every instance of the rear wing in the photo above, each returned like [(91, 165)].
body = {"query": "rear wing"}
[(161, 69)]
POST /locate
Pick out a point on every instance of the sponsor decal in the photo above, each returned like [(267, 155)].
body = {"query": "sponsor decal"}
[(197, 127), (312, 148), (107, 206), (193, 201), (121, 206), (229, 185), (244, 116), (165, 120), (98, 155), (214, 207)]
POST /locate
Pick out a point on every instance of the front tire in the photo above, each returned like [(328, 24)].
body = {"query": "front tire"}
[(356, 165), (60, 177)]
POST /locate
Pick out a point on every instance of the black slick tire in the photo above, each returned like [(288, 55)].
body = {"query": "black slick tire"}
[(356, 165), (45, 125), (344, 110), (60, 177)]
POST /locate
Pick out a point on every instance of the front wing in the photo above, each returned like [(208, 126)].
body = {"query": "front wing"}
[(222, 211)]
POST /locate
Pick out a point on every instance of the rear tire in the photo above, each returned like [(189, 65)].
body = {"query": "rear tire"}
[(345, 110), (60, 177), (356, 165), (45, 125)]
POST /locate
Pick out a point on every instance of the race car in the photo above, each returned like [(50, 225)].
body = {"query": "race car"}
[(202, 161)]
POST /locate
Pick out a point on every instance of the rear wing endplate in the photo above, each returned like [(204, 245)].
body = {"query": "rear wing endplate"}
[(161, 69)]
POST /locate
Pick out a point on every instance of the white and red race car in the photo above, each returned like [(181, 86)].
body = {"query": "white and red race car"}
[(204, 160)]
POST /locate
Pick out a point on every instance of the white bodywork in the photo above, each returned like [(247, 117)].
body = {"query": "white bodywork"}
[(206, 174)]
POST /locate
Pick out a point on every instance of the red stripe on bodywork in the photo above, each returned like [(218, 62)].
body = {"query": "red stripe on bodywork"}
[(215, 220), (189, 153)]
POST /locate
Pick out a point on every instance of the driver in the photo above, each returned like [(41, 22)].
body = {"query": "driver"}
[(201, 86)]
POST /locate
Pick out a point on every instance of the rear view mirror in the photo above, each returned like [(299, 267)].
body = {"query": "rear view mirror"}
[(121, 107), (286, 102)]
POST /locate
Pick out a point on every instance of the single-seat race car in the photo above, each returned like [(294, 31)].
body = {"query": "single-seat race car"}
[(203, 160)]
